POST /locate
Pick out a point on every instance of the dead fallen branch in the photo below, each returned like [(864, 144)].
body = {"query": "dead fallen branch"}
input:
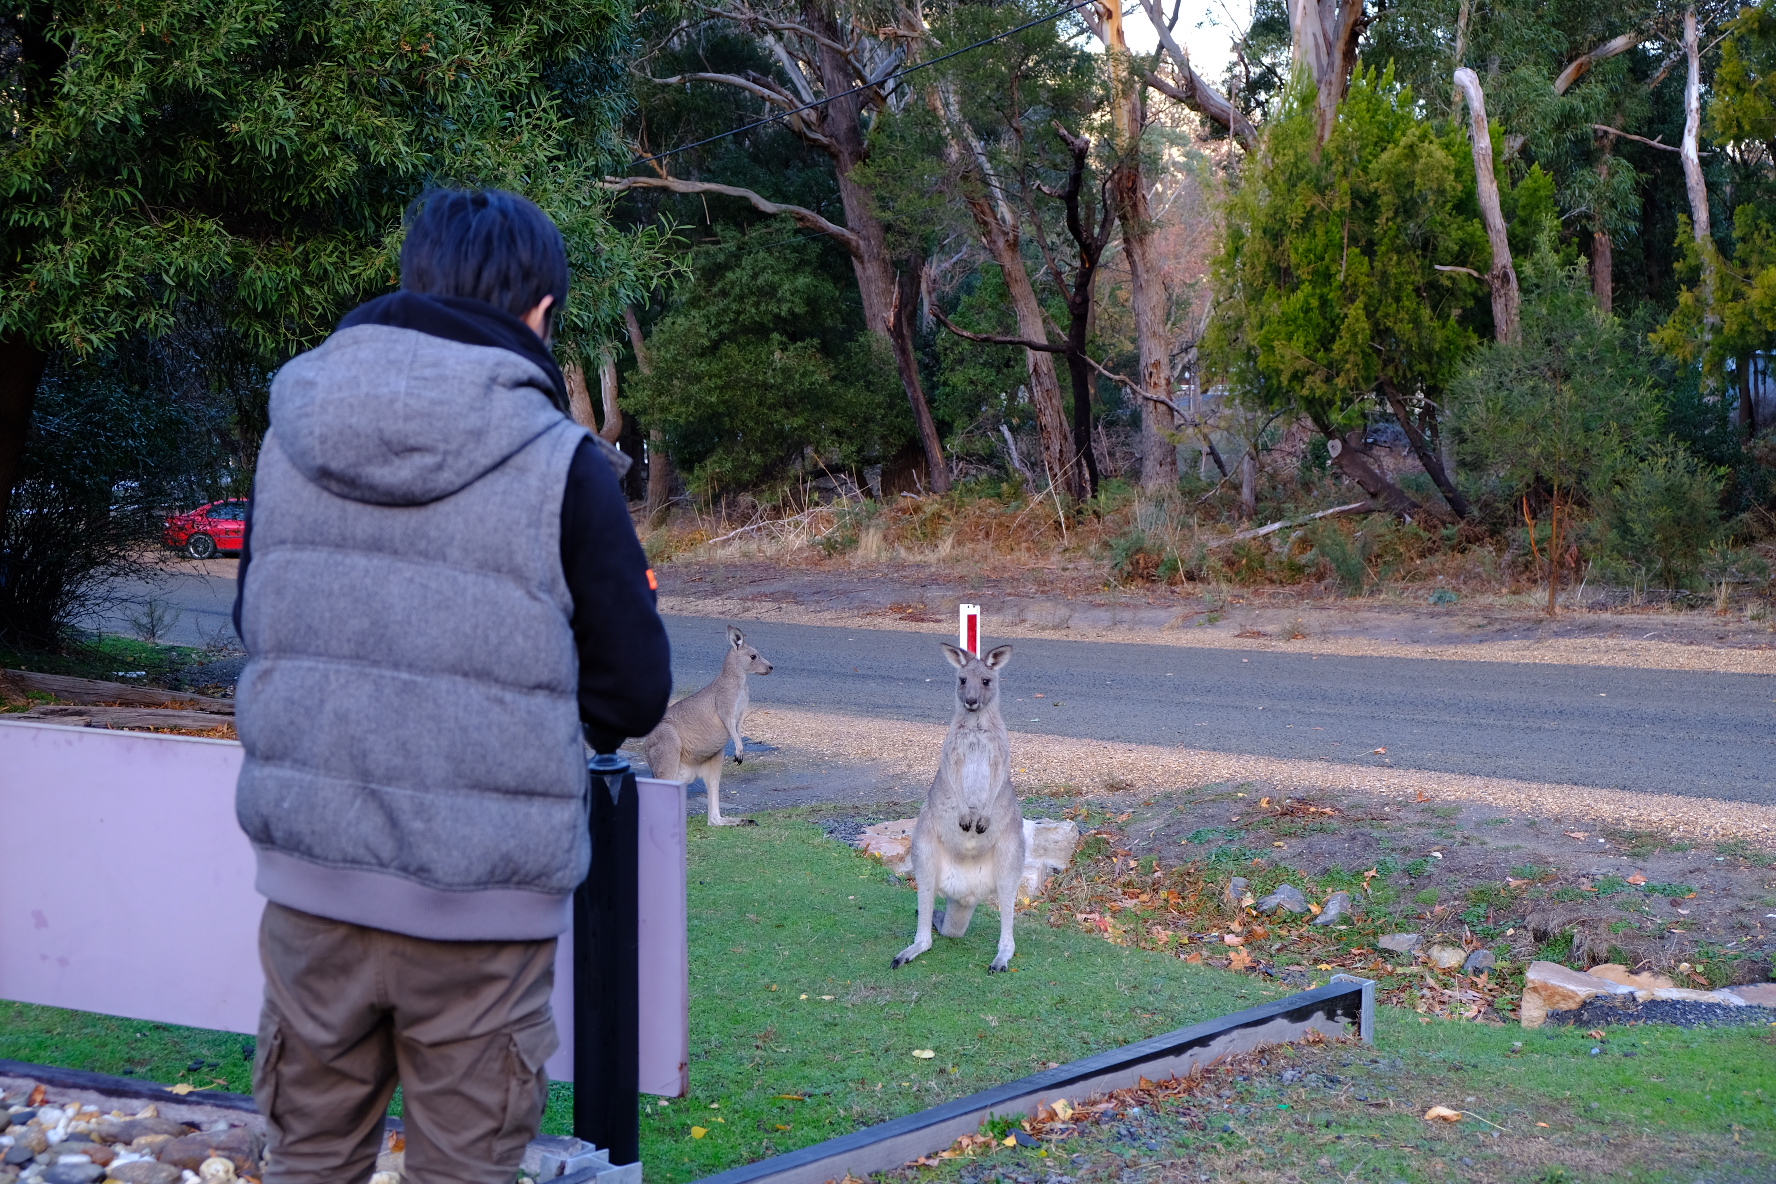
[(1362, 507)]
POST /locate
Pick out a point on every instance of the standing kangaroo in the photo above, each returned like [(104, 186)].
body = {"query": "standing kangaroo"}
[(968, 841), (688, 743)]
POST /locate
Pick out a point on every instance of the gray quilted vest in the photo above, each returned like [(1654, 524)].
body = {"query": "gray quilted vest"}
[(409, 706)]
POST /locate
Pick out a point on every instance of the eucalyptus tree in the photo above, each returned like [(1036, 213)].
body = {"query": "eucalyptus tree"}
[(831, 77)]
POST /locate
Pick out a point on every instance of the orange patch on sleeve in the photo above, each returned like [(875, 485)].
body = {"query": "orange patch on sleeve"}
[(653, 583)]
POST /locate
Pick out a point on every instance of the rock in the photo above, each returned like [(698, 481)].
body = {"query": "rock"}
[(128, 1130), (18, 1153), (21, 1117), (1615, 972), (891, 842), (1236, 893), (96, 1152), (217, 1170), (239, 1145), (1446, 957), (1757, 994), (72, 1171), (1401, 943), (385, 1178), (1478, 961), (1286, 897), (149, 1144), (1336, 908), (144, 1171), (1693, 996), (1549, 986), (1048, 848)]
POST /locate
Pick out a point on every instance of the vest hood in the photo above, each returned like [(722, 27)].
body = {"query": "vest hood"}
[(393, 416)]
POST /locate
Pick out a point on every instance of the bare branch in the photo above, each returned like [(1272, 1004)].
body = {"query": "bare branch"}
[(1616, 131), (1190, 88), (1362, 507), (772, 94), (1462, 270), (994, 338), (804, 217), (1577, 69)]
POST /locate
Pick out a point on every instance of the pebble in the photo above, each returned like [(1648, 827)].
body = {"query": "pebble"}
[(1236, 891), (145, 1171), (72, 1171), (1446, 957), (1336, 909), (1479, 960), (1401, 943), (1286, 897)]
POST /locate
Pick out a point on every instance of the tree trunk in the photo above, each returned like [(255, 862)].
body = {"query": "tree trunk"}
[(997, 224), (659, 487), (579, 399), (1080, 376), (21, 368), (1427, 456), (1323, 41), (889, 305), (1697, 188), (1159, 452), (607, 387), (1748, 423), (1603, 247), (1502, 278), (1350, 454), (1249, 485)]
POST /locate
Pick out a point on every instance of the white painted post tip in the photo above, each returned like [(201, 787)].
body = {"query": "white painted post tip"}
[(968, 628)]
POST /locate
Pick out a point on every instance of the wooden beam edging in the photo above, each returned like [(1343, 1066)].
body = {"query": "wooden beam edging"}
[(1329, 1011), (57, 1077)]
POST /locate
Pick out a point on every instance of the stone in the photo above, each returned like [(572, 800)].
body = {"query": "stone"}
[(1446, 957), (216, 1170), (96, 1152), (72, 1171), (1236, 893), (1549, 986), (1336, 909), (1757, 994), (144, 1171), (149, 1144), (21, 1117), (1286, 897), (1615, 972), (239, 1145), (1478, 961), (891, 842), (1694, 996), (385, 1178), (1401, 943), (18, 1153), (1048, 848)]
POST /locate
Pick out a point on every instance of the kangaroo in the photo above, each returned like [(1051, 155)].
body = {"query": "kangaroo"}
[(688, 743), (968, 841)]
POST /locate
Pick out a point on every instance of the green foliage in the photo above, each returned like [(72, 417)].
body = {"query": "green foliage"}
[(767, 357), (1551, 412), (1662, 512), (1328, 267), (253, 157), (105, 456)]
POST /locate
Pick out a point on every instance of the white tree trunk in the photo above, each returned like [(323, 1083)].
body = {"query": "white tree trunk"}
[(1692, 164), (1502, 279)]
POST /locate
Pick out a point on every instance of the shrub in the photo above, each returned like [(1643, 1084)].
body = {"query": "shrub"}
[(1661, 514)]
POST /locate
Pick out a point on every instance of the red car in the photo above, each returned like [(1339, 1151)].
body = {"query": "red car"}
[(219, 526)]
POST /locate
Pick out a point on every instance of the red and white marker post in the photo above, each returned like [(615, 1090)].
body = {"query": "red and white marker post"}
[(968, 628)]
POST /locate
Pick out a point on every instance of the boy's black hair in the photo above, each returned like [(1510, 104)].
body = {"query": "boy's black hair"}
[(487, 244)]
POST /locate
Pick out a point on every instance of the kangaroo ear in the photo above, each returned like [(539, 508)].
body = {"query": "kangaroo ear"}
[(736, 637), (997, 657), (958, 658)]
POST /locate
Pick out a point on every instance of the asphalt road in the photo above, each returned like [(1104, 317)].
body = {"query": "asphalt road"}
[(1699, 734)]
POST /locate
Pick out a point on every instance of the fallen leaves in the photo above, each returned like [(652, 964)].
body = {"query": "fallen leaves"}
[(924, 1054), (1378, 751), (1240, 960), (1576, 834), (697, 1132), (1442, 1114), (1637, 879)]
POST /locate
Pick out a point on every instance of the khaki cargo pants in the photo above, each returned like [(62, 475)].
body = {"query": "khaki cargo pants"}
[(463, 1026)]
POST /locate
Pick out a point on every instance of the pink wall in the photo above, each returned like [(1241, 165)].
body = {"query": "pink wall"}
[(127, 888)]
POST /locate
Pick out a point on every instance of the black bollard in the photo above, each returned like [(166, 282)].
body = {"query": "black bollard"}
[(607, 1016)]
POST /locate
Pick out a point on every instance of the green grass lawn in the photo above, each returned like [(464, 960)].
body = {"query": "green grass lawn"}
[(781, 917)]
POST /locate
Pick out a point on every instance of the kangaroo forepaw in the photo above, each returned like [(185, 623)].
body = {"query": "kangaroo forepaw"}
[(907, 955)]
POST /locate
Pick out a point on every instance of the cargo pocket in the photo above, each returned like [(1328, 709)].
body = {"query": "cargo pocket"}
[(270, 1055), (530, 1045)]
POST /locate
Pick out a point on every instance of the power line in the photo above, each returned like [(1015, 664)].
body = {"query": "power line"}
[(1041, 20)]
